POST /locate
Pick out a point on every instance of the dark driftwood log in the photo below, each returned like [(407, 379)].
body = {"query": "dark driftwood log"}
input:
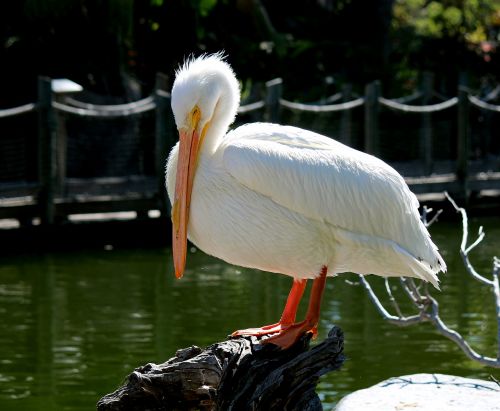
[(237, 374)]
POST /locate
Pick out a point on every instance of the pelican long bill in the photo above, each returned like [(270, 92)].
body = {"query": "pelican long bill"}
[(186, 167)]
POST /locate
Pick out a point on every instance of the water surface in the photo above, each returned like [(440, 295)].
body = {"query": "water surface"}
[(73, 325)]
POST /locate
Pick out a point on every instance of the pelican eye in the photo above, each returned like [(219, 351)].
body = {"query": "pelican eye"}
[(195, 116)]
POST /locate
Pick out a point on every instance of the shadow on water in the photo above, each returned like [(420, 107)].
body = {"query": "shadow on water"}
[(74, 324)]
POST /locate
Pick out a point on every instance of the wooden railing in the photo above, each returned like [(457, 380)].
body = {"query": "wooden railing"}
[(52, 156)]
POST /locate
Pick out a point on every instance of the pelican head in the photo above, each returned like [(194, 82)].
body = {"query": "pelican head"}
[(205, 99)]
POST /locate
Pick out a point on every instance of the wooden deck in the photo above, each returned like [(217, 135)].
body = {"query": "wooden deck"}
[(89, 213), (84, 196)]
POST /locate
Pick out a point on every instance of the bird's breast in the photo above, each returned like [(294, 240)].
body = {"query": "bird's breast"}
[(242, 227)]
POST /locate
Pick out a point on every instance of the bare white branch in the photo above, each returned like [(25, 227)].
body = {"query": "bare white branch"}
[(480, 236), (443, 329), (354, 283), (411, 291), (496, 290), (391, 297), (464, 251), (393, 319), (425, 212), (427, 305)]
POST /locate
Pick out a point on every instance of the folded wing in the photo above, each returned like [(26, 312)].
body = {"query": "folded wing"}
[(329, 182)]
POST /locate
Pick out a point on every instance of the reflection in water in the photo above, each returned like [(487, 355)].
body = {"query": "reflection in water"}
[(73, 325)]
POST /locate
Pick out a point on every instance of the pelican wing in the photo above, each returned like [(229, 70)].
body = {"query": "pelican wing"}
[(329, 182)]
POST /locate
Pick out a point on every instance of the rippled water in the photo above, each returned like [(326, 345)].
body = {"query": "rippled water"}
[(74, 325)]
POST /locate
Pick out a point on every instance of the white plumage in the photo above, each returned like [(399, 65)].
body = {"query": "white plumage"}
[(287, 200)]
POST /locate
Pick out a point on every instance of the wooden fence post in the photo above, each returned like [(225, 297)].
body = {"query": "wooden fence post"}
[(372, 93), (463, 139), (164, 125), (346, 119), (46, 151), (426, 151), (273, 95)]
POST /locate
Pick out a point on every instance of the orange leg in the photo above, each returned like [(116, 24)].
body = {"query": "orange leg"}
[(288, 316), (289, 335)]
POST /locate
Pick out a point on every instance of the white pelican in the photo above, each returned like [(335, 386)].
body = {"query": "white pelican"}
[(285, 200)]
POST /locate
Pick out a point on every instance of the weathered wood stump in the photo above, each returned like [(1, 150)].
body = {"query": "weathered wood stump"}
[(237, 374)]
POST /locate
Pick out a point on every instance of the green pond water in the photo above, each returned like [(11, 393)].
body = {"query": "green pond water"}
[(73, 325)]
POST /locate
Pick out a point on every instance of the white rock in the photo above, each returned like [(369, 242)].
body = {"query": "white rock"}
[(425, 392)]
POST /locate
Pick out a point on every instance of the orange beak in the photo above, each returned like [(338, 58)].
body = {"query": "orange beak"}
[(189, 141)]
